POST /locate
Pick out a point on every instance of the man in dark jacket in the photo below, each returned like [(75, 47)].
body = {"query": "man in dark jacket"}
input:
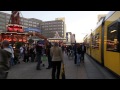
[(38, 55), (75, 53), (83, 51), (48, 55), (5, 56), (78, 54)]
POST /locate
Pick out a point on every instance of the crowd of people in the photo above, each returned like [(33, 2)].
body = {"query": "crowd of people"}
[(78, 50), (34, 53)]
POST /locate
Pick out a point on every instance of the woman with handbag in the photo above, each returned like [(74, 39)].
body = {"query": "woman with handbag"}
[(57, 58)]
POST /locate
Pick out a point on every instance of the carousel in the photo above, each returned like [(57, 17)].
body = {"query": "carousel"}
[(14, 31)]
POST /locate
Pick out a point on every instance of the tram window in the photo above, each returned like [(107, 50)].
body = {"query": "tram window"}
[(95, 41), (112, 37)]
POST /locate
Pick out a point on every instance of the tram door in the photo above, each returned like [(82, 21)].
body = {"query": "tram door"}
[(102, 43)]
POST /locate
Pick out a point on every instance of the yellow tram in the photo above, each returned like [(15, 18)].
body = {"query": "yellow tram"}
[(103, 44)]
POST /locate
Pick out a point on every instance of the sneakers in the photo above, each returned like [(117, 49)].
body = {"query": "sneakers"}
[(48, 68), (38, 68), (43, 65)]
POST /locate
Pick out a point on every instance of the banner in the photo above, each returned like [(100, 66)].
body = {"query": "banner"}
[(32, 29)]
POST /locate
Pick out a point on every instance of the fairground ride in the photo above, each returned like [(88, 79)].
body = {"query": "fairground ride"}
[(15, 31)]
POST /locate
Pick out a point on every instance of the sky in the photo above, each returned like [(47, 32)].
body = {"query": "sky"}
[(79, 23)]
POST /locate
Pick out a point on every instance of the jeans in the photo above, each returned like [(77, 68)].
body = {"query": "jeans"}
[(12, 61), (49, 61), (38, 58), (82, 56), (21, 56), (32, 57), (78, 58), (75, 60), (56, 65)]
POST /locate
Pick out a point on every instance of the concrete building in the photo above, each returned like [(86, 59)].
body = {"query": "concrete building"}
[(49, 28), (70, 38), (4, 19), (63, 19)]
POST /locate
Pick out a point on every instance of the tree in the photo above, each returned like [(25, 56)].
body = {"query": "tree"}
[(18, 44), (30, 41)]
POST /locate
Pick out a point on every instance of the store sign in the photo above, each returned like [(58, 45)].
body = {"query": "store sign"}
[(32, 29)]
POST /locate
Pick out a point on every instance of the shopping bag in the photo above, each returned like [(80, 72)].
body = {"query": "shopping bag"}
[(44, 58), (63, 72)]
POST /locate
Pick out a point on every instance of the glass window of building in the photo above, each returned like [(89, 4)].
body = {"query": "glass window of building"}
[(25, 20), (2, 23), (0, 27), (50, 28), (112, 37), (25, 27), (22, 23), (2, 20), (30, 21), (7, 20), (21, 20), (8, 17), (2, 15), (4, 27), (34, 22), (26, 23), (34, 25)]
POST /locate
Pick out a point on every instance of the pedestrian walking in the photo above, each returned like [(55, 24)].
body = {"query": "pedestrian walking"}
[(57, 58)]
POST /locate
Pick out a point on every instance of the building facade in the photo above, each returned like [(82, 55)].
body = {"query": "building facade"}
[(70, 38), (49, 28)]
